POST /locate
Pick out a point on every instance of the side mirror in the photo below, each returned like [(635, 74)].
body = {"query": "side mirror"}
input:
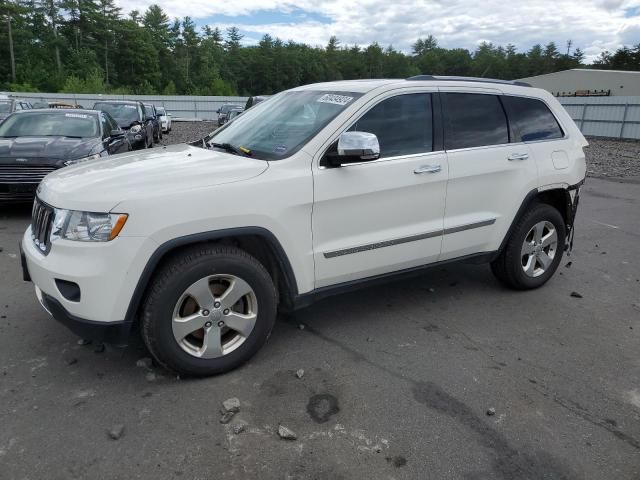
[(355, 147)]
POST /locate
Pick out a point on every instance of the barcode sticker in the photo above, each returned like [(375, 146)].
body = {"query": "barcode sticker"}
[(335, 99)]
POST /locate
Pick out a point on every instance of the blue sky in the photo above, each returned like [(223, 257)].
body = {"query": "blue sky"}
[(593, 26)]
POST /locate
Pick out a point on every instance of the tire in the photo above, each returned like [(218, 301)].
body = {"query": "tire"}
[(524, 263), (205, 269)]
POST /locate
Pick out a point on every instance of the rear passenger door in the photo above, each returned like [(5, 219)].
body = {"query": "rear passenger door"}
[(534, 124), (490, 173)]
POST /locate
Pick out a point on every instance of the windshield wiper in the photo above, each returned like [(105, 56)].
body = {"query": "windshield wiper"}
[(227, 147)]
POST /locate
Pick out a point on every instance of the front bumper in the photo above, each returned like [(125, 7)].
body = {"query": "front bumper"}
[(112, 332), (106, 275)]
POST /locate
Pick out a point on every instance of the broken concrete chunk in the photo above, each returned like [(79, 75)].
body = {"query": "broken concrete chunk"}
[(226, 417), (300, 373), (576, 295), (231, 405), (491, 412), (286, 434)]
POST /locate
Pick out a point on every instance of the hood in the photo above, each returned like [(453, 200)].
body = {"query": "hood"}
[(48, 148), (100, 185)]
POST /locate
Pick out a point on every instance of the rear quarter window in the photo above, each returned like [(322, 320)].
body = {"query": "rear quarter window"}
[(474, 120), (531, 119)]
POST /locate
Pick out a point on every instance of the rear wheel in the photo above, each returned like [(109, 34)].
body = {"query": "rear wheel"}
[(534, 249), (209, 310)]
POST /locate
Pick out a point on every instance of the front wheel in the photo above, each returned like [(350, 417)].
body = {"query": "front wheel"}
[(209, 310), (534, 249)]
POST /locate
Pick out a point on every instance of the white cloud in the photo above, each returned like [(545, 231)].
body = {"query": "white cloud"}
[(592, 26)]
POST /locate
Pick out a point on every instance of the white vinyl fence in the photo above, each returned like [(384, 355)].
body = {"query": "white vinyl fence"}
[(616, 117), (181, 107)]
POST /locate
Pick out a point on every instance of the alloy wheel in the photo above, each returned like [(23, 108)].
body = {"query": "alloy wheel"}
[(214, 316)]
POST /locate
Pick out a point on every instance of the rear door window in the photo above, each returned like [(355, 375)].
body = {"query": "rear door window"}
[(531, 119), (474, 120), (403, 124)]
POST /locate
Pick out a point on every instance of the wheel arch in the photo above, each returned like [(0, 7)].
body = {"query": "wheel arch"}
[(257, 241), (559, 198)]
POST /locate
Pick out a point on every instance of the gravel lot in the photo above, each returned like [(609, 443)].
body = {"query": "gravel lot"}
[(400, 381), (613, 158), (605, 157), (184, 132)]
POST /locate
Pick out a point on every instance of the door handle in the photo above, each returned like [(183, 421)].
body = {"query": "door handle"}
[(427, 169), (518, 156)]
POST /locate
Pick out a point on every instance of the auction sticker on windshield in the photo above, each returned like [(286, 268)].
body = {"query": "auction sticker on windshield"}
[(75, 115), (335, 99)]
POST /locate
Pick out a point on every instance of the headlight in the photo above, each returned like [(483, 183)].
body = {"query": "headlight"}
[(87, 226), (83, 159), (135, 129)]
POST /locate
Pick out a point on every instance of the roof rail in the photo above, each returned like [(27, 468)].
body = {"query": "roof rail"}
[(469, 79)]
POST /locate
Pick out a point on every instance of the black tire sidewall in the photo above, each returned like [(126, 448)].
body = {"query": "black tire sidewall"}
[(513, 262), (160, 315)]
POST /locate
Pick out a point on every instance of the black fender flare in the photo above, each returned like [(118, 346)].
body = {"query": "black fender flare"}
[(571, 207), (166, 248)]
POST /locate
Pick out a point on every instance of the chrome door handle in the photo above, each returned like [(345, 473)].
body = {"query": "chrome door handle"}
[(518, 156), (427, 169)]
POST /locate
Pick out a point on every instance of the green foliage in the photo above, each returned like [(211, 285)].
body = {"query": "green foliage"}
[(89, 46), (22, 87)]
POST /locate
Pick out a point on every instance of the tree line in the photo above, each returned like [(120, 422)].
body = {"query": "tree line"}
[(88, 46)]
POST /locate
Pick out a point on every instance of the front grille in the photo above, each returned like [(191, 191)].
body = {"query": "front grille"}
[(23, 173), (41, 223)]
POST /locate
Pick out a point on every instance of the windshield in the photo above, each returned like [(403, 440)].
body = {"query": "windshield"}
[(5, 106), (50, 125), (123, 113), (280, 127)]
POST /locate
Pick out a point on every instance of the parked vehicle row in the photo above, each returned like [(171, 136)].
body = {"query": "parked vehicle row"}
[(318, 190), (34, 143), (10, 105), (224, 110)]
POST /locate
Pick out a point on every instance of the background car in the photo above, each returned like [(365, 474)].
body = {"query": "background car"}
[(233, 114), (131, 117), (155, 119), (251, 101), (9, 105), (165, 119), (34, 143), (223, 110)]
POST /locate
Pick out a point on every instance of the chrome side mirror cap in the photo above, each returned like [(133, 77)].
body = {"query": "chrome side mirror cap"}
[(354, 147)]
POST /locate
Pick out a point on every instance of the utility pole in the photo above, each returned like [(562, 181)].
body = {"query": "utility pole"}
[(13, 58)]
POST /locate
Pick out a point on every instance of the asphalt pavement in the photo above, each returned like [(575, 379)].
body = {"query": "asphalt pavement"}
[(443, 376)]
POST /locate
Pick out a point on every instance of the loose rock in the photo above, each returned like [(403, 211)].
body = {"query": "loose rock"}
[(300, 373), (145, 362), (84, 341), (151, 377), (116, 431), (226, 417), (286, 434), (238, 428), (231, 405), (301, 326), (491, 412), (576, 295), (568, 265)]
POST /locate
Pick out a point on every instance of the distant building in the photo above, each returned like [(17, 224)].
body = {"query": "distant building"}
[(586, 82)]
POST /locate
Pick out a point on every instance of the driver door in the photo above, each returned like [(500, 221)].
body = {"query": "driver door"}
[(384, 215)]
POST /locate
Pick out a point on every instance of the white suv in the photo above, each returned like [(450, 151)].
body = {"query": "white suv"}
[(307, 194)]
